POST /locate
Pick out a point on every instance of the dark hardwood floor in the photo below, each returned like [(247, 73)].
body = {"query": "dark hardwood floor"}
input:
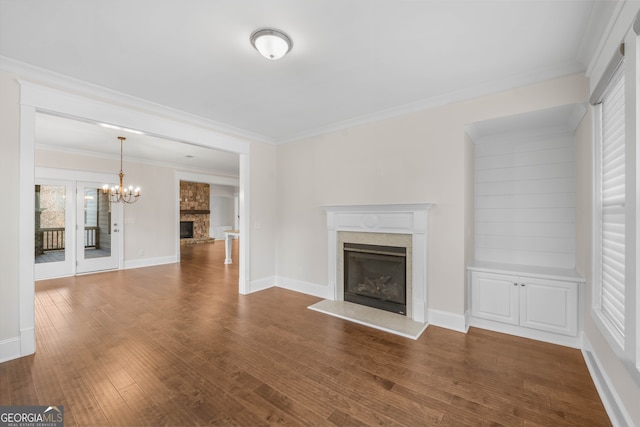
[(176, 345)]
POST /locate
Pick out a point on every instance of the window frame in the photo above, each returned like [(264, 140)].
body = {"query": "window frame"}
[(627, 349), (611, 332)]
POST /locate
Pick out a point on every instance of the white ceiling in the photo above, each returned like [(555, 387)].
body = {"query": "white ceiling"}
[(352, 60), (58, 133)]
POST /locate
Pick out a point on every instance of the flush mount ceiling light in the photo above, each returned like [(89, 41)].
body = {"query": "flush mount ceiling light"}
[(271, 43)]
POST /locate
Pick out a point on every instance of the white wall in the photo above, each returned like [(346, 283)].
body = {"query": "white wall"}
[(150, 225), (221, 216), (9, 216), (222, 208), (415, 158), (263, 214), (525, 198)]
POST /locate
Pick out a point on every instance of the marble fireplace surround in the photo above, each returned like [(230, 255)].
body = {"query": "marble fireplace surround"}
[(385, 220)]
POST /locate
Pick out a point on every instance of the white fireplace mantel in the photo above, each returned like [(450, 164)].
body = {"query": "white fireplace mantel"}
[(410, 219)]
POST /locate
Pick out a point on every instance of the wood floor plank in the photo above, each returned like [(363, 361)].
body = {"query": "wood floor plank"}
[(177, 345)]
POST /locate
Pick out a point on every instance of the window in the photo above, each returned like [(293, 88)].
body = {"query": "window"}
[(609, 280), (615, 307)]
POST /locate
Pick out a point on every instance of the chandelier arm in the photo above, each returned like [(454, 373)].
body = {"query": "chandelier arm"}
[(120, 194)]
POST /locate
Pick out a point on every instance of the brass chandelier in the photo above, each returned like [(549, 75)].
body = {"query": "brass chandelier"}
[(120, 193)]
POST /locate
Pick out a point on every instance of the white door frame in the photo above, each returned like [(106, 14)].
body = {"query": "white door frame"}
[(116, 259), (124, 111), (203, 178), (75, 177), (66, 267)]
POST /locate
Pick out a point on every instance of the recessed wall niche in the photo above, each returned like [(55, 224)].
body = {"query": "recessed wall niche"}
[(525, 187)]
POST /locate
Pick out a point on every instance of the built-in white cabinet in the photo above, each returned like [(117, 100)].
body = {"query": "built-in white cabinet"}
[(526, 301), (495, 297), (549, 305), (523, 280)]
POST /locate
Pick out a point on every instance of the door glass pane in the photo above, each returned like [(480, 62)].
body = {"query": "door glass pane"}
[(97, 216), (50, 226)]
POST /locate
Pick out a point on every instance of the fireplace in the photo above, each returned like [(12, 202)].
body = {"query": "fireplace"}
[(400, 226), (375, 275), (186, 229)]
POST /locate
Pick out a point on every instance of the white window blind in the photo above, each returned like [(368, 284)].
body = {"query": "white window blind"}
[(612, 205)]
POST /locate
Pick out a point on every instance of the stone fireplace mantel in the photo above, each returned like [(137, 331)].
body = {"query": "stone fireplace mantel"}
[(409, 219)]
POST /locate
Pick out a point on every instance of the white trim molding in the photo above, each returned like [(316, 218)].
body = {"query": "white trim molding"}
[(448, 320), (36, 98), (11, 349), (261, 284), (301, 286), (410, 219), (616, 410), (295, 285), (150, 262), (28, 341), (53, 79)]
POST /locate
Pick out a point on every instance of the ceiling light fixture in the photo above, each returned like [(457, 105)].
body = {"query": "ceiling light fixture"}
[(121, 194), (271, 43), (108, 126)]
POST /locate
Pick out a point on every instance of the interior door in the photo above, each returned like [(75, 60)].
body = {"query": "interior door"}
[(54, 249), (98, 229)]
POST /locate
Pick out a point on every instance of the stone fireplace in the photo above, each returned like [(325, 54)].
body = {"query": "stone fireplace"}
[(392, 232), (186, 229), (194, 210)]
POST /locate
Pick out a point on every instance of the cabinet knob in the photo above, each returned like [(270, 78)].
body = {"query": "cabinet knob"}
[(521, 284), (515, 284)]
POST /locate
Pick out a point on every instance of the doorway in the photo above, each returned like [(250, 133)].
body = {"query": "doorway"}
[(98, 229), (76, 229), (133, 114)]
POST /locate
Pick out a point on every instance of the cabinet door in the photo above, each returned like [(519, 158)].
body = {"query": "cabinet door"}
[(549, 306), (495, 297)]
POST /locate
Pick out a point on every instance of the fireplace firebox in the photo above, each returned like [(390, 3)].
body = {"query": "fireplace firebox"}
[(376, 276), (186, 229)]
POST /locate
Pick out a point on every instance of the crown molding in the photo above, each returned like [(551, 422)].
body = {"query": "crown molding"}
[(490, 88), (137, 160), (604, 37), (33, 74), (60, 81)]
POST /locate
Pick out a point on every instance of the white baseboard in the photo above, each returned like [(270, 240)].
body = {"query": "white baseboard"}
[(445, 319), (320, 291), (534, 334), (27, 341), (9, 349), (261, 284), (16, 347), (290, 284), (149, 262), (613, 405)]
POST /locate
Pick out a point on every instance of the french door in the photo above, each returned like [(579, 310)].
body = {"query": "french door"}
[(97, 229), (55, 222), (77, 230)]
